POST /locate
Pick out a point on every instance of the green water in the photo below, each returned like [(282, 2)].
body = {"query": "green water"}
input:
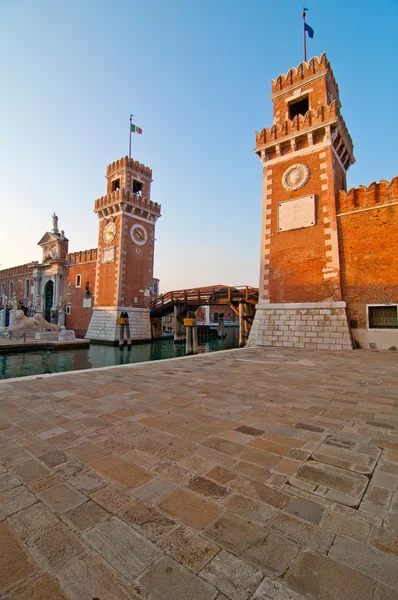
[(39, 362)]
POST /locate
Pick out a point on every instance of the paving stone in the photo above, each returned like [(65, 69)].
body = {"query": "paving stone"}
[(206, 487), (168, 580), (88, 482), (385, 593), (16, 499), (56, 547), (252, 471), (233, 577), (173, 472), (301, 531), (54, 458), (31, 522), (120, 470), (261, 492), (274, 590), (234, 533), (30, 471), (249, 430), (47, 482), (360, 457), (337, 484), (113, 497), (309, 511), (16, 564), (324, 579), (196, 464), (345, 525), (51, 433), (87, 452), (258, 457), (8, 481), (89, 577), (385, 540), (61, 498), (248, 508), (42, 587), (86, 515), (274, 554), (270, 447), (385, 480), (379, 566), (143, 459), (376, 500), (188, 548), (125, 549), (190, 509), (147, 519), (309, 427), (224, 446), (221, 474), (155, 490), (17, 456)]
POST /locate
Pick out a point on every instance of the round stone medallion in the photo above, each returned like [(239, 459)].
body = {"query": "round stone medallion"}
[(295, 177)]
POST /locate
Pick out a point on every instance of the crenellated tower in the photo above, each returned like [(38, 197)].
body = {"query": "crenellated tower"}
[(305, 156), (126, 240)]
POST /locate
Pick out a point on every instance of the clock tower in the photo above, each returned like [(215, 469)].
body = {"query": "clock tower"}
[(305, 156), (126, 240)]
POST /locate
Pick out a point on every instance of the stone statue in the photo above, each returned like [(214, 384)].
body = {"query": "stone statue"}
[(5, 301), (61, 304), (38, 304), (55, 223), (14, 302)]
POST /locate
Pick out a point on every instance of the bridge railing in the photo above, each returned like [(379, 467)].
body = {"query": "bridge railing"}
[(205, 295)]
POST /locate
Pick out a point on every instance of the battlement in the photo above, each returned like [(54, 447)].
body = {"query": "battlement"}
[(373, 196), (19, 270), (315, 66), (82, 256), (130, 163), (125, 196), (311, 117)]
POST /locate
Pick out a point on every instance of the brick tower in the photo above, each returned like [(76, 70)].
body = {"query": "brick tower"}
[(126, 240), (305, 157)]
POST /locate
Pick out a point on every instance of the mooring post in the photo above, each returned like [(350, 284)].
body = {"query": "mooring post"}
[(191, 333), (121, 321), (179, 329), (220, 328), (241, 325)]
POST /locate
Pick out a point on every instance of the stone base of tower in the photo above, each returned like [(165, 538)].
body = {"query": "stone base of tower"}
[(104, 328), (317, 325)]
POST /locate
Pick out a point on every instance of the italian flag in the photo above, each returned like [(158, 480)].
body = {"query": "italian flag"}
[(135, 129)]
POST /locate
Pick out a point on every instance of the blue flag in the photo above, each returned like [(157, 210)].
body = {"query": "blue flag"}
[(309, 30)]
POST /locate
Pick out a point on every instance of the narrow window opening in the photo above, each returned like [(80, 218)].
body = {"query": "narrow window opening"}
[(78, 281), (68, 309), (115, 185), (298, 107), (137, 187), (383, 317)]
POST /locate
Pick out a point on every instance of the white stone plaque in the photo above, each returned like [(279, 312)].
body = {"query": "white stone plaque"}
[(108, 254), (296, 214), (86, 302)]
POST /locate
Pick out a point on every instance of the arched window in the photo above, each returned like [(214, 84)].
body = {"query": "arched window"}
[(11, 290), (27, 288)]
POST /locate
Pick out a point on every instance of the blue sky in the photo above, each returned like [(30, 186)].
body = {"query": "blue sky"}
[(197, 76)]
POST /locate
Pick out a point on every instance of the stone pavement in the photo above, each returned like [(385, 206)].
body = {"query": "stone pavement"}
[(247, 474)]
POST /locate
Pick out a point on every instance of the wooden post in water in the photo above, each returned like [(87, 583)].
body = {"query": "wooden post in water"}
[(220, 328), (191, 333), (241, 325)]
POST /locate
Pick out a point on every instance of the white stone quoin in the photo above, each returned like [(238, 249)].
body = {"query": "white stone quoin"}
[(318, 325), (103, 326)]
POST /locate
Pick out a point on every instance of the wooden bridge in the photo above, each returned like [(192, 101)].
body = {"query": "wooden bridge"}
[(241, 299)]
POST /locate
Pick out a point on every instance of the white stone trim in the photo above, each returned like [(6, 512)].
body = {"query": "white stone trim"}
[(302, 152), (352, 212)]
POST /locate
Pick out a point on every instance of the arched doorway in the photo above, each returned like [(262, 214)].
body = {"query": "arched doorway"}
[(48, 300)]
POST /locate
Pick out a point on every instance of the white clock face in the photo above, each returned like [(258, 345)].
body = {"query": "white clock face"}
[(109, 233), (138, 234)]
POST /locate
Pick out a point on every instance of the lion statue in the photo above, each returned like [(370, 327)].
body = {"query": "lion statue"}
[(33, 323)]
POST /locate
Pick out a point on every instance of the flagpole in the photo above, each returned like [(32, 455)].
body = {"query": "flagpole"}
[(305, 39), (130, 136)]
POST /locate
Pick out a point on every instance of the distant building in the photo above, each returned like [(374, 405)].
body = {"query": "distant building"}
[(94, 286), (329, 258)]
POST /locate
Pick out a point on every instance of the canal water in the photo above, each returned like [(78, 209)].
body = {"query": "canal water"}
[(38, 362)]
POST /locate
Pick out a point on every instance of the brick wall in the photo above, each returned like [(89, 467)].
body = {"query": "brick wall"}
[(17, 275), (368, 240), (83, 264)]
